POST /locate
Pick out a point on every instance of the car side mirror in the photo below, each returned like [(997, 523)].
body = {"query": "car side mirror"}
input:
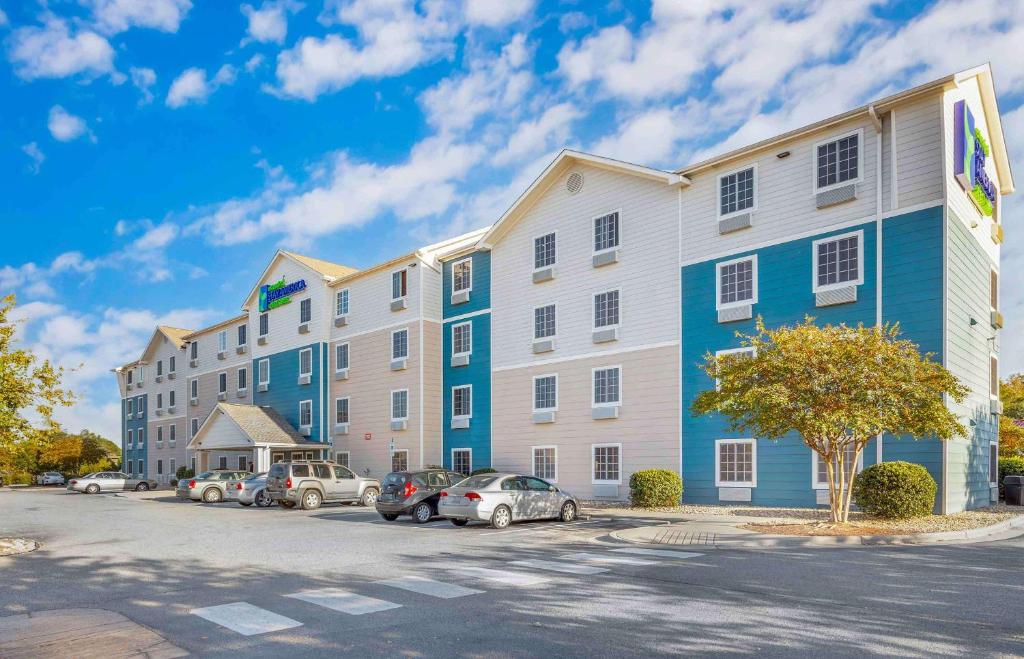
[(552, 488)]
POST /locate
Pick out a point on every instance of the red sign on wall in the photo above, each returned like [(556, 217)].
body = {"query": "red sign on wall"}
[(368, 436)]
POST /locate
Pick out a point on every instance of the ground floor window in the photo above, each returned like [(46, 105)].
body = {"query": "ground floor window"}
[(276, 457), (545, 463), (159, 467), (735, 463), (223, 462), (606, 462), (241, 463), (462, 460), (142, 468), (341, 457), (172, 467), (400, 460), (820, 481)]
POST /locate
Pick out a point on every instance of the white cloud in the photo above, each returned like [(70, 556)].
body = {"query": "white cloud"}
[(114, 16), (530, 137), (193, 87), (158, 237), (143, 79), (54, 51), (65, 126), (496, 13), (269, 23), (36, 156), (3, 18), (253, 63)]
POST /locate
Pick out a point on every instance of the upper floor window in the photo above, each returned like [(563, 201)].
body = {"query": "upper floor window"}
[(243, 379), (193, 387), (341, 356), (159, 436), (194, 350), (194, 428), (737, 282), (305, 310), (400, 404), (736, 191), (129, 375), (545, 392), (462, 401), (170, 398), (222, 383), (837, 261), (159, 367), (263, 371), (306, 413), (400, 344), (172, 364), (159, 401), (462, 339), (341, 410), (606, 231), (341, 302), (606, 309), (399, 284), (129, 406), (243, 335), (222, 341), (544, 322), (171, 437), (544, 251), (462, 276), (142, 373), (306, 361), (264, 324), (838, 161), (606, 386)]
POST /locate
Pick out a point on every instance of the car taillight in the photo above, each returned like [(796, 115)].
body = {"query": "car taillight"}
[(238, 486), (444, 493), (74, 482), (472, 496), (191, 485), (288, 483), (409, 489)]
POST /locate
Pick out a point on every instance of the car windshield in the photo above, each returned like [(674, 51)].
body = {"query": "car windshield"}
[(477, 481), (205, 474)]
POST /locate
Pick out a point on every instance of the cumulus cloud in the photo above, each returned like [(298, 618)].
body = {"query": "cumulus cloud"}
[(143, 79), (114, 16), (192, 85), (253, 63), (269, 23), (496, 13), (551, 128), (54, 50), (35, 155), (65, 126)]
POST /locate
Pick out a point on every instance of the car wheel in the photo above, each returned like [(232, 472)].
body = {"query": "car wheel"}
[(213, 495), (263, 499), (370, 497), (287, 505), (311, 500), (459, 522), (93, 489), (568, 513), (501, 517), (422, 512), (142, 487), (389, 516)]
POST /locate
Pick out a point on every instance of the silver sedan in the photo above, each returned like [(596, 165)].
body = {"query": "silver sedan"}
[(505, 498), (110, 481), (249, 491)]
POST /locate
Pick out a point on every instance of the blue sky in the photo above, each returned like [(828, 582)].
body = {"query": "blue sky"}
[(155, 153)]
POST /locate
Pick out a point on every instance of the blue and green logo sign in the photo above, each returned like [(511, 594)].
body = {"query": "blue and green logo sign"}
[(969, 153), (278, 294)]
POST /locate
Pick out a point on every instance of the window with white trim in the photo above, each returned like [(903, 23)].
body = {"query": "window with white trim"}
[(159, 401), (737, 282), (838, 262), (222, 383), (838, 161), (130, 406), (243, 379), (606, 309), (607, 463), (140, 436), (172, 468), (462, 339), (462, 461), (462, 275), (306, 361), (172, 364), (159, 467), (462, 401), (736, 192), (129, 374), (243, 334), (172, 435), (545, 463), (263, 371), (222, 341), (544, 322), (341, 302), (820, 477), (400, 405), (735, 463), (341, 357), (159, 436), (194, 350), (341, 410), (193, 388), (241, 463), (159, 367), (400, 344), (195, 428), (222, 462), (606, 386), (544, 253), (305, 311), (545, 392), (131, 438), (341, 457), (141, 467), (399, 284), (306, 413), (606, 232), (264, 324), (400, 460), (171, 398)]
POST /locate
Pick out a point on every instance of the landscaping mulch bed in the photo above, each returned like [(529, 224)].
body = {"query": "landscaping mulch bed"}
[(862, 524)]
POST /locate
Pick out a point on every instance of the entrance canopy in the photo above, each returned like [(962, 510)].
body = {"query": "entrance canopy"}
[(250, 428)]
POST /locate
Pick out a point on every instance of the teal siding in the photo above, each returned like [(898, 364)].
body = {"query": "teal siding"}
[(135, 424), (285, 392), (479, 296)]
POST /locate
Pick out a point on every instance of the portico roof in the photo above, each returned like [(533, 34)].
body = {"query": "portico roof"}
[(231, 426)]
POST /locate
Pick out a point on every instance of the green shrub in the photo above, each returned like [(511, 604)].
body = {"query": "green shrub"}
[(1007, 467), (655, 488), (895, 490), (184, 472), (484, 470), (174, 482)]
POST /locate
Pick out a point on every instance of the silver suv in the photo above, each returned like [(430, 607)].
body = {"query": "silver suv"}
[(310, 483)]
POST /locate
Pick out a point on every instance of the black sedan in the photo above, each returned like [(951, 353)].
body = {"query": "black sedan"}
[(414, 493)]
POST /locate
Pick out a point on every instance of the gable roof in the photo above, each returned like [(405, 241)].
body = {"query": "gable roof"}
[(175, 335), (216, 326), (261, 425), (330, 272), (562, 162)]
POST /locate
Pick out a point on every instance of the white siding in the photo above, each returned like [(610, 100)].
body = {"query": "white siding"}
[(284, 321), (918, 151), (369, 300)]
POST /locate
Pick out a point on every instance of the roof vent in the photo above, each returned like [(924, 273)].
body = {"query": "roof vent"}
[(574, 183)]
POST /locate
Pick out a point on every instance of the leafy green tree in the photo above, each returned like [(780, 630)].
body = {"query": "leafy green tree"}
[(837, 387), (1011, 392)]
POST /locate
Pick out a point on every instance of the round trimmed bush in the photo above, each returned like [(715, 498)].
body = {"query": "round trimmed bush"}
[(184, 472), (655, 488), (484, 470), (895, 490)]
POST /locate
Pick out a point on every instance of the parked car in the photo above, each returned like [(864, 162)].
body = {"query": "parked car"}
[(310, 483), (50, 478), (414, 493), (209, 486), (110, 481), (505, 498), (249, 491)]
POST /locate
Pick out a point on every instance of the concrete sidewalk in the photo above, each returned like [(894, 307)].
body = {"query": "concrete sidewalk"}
[(80, 633)]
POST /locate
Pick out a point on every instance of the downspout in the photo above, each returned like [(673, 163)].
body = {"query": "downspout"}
[(877, 122)]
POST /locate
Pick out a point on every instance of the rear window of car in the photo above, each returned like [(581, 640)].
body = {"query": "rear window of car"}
[(300, 471), (395, 478), (205, 474), (277, 471), (478, 481)]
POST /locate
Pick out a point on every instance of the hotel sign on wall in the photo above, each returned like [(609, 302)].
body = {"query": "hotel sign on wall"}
[(278, 294), (969, 153)]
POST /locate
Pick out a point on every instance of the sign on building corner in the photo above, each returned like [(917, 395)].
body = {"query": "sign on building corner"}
[(278, 294), (969, 153)]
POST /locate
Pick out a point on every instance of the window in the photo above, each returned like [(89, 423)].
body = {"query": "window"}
[(172, 470), (222, 383), (735, 463), (341, 302), (606, 386), (140, 435), (170, 398), (545, 392), (306, 413), (736, 192), (462, 339), (193, 388), (462, 461), (263, 367), (172, 364), (993, 464), (138, 406), (400, 344), (606, 463), (131, 437), (838, 161), (222, 341), (400, 460), (159, 367), (400, 405), (462, 276), (341, 357), (341, 457), (195, 426), (399, 283), (192, 464), (993, 376), (994, 290), (737, 282), (141, 466), (306, 361), (341, 410), (544, 251), (142, 374), (159, 436), (223, 463), (305, 310), (264, 324), (129, 375), (194, 350), (159, 467), (130, 406), (241, 463), (819, 478), (544, 322), (172, 435), (462, 401), (243, 336), (606, 309), (545, 463), (837, 262), (243, 379), (159, 401), (606, 232)]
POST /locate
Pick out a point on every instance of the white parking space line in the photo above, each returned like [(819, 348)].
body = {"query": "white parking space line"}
[(605, 558), (554, 566), (663, 553), (337, 599), (500, 576), (246, 619), (430, 587), (525, 530)]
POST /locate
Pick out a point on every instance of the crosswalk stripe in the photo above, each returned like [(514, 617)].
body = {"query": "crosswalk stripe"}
[(664, 553), (554, 566), (604, 558), (500, 576), (337, 599), (430, 587), (246, 619)]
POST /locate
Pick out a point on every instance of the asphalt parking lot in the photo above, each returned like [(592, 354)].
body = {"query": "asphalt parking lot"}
[(222, 579)]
